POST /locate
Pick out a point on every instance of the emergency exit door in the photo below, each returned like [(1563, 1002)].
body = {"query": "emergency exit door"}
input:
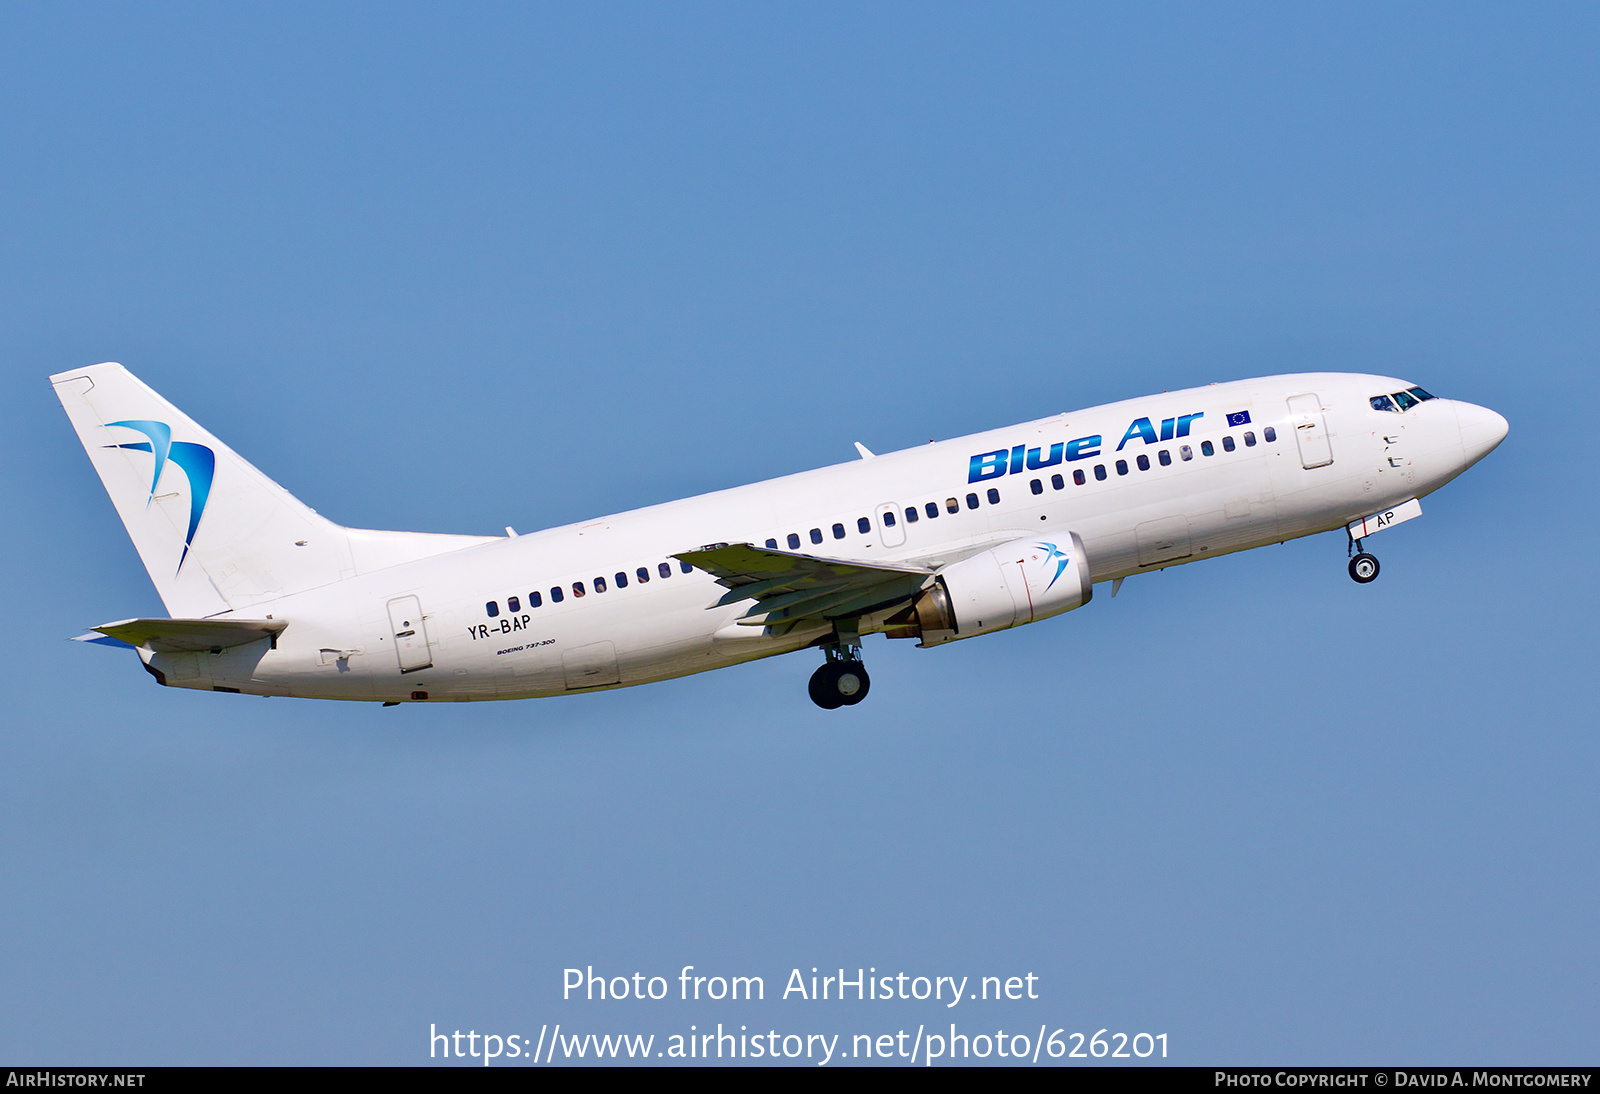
[(1310, 431), (410, 636), (890, 530)]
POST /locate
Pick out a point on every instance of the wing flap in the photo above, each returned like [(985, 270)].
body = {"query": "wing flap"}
[(837, 603), (788, 587)]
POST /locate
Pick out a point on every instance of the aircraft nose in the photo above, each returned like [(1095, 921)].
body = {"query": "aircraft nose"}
[(1481, 430)]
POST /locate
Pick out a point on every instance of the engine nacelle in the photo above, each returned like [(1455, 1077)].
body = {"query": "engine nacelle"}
[(1006, 586)]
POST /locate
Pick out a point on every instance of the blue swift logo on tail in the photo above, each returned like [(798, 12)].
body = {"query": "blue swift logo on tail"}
[(196, 461)]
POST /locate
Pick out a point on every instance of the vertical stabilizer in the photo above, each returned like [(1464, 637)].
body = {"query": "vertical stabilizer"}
[(214, 533)]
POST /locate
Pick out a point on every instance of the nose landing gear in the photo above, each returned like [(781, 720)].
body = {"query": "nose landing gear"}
[(842, 680), (1363, 567)]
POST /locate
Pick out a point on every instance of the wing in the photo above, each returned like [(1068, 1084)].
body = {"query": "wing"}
[(190, 635), (789, 588)]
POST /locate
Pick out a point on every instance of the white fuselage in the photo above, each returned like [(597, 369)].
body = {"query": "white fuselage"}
[(341, 638)]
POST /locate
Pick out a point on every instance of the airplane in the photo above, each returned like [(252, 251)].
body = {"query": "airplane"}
[(938, 543)]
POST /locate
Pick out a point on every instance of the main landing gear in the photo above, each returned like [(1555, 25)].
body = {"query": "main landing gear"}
[(1363, 567), (842, 681)]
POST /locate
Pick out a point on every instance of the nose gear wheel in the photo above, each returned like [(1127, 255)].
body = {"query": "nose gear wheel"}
[(1363, 568)]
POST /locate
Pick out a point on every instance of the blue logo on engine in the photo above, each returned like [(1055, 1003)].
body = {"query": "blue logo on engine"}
[(1056, 555), (196, 461)]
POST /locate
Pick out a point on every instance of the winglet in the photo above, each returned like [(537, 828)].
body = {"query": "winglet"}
[(866, 453)]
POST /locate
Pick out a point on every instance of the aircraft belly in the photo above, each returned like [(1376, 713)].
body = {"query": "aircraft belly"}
[(586, 649), (1241, 512), (1326, 504), (1195, 515)]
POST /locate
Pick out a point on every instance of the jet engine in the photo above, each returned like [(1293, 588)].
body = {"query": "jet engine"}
[(1006, 586)]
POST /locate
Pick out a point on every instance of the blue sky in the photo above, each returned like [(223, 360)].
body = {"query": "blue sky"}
[(451, 269)]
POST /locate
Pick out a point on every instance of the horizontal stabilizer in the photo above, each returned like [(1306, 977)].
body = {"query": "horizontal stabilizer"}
[(96, 639), (190, 635)]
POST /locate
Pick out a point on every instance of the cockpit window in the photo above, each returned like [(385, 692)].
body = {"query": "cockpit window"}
[(1400, 401)]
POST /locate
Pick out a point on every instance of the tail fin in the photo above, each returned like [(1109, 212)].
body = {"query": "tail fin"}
[(214, 533)]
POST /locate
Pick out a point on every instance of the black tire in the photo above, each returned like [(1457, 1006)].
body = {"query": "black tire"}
[(823, 691), (1363, 568), (839, 683)]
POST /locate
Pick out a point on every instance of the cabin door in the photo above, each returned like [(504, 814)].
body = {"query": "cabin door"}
[(1310, 431), (410, 635)]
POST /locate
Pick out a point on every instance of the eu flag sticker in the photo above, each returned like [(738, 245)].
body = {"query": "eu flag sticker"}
[(1241, 418)]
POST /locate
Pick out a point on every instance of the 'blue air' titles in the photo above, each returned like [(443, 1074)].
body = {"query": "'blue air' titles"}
[(1013, 461)]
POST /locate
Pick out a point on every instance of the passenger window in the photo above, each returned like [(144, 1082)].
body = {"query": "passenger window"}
[(1206, 449), (556, 595), (643, 572), (1143, 462), (1419, 393), (1165, 457), (912, 515), (1100, 472), (951, 505), (772, 544), (994, 496), (599, 584), (863, 525), (794, 541), (513, 605), (888, 518), (622, 579), (1058, 482), (1249, 439), (493, 608), (663, 569), (577, 588), (1227, 443), (932, 509), (972, 501), (685, 567), (838, 531), (1122, 467), (1404, 401), (1270, 434), (1185, 453), (1077, 477), (1036, 486), (816, 535), (1382, 402), (535, 600)]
